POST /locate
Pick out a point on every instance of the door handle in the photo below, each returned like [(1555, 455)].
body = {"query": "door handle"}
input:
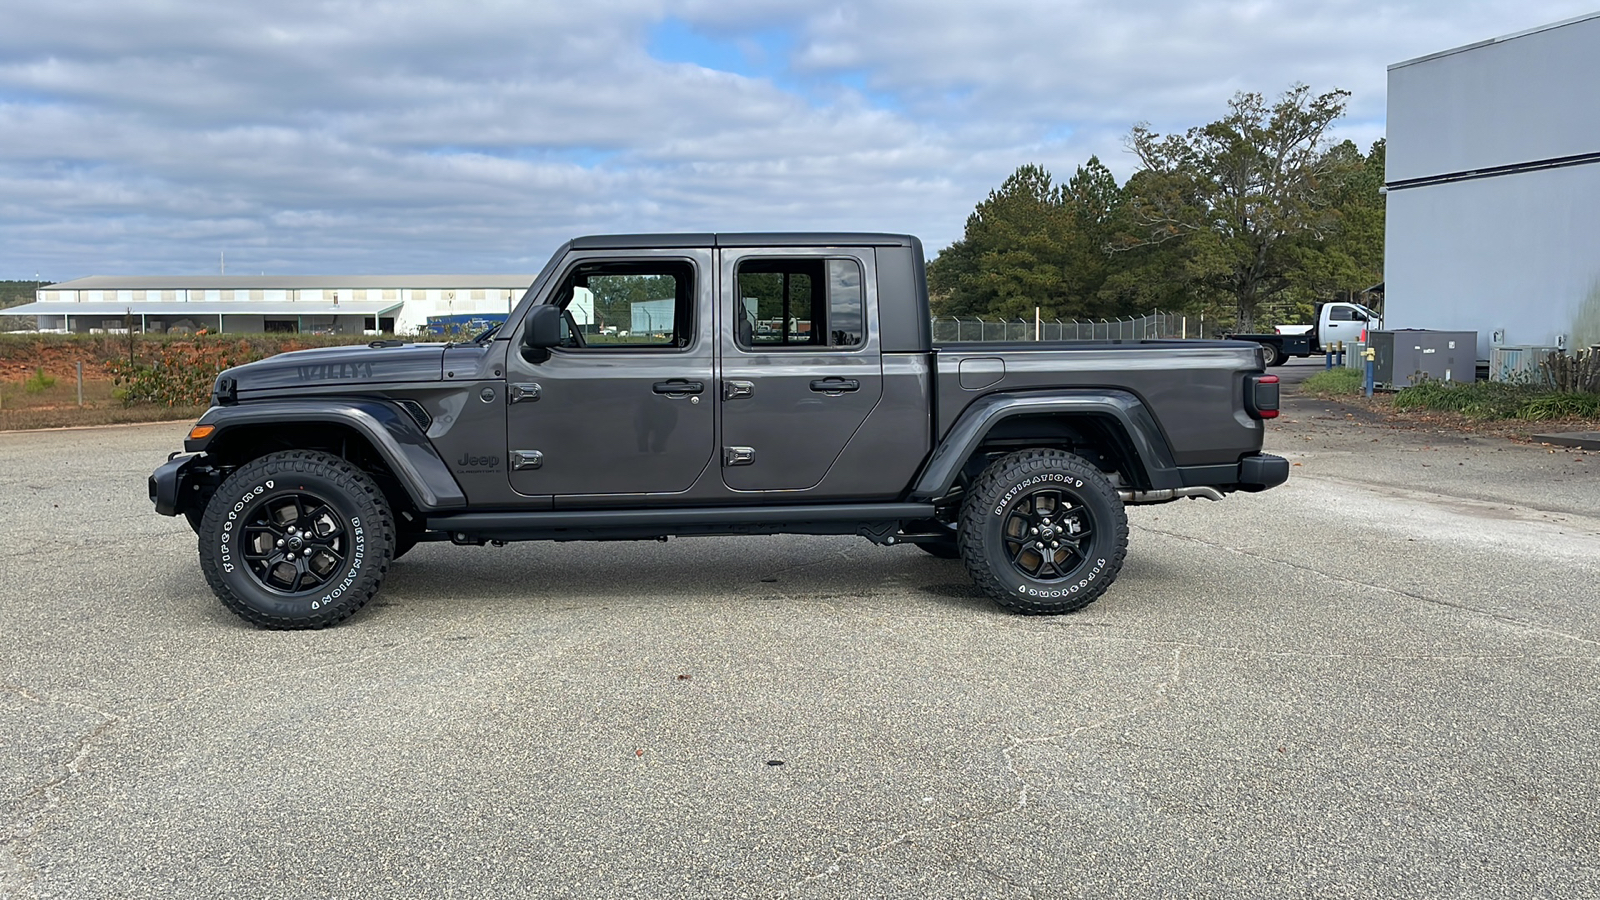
[(678, 386), (835, 385)]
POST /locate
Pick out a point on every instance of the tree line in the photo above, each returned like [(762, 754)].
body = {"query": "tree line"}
[(1250, 219), (16, 293)]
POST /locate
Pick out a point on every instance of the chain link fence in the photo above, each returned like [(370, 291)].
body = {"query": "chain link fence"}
[(953, 329)]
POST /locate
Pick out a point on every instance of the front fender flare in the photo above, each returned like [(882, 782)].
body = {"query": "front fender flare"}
[(396, 436), (1148, 445)]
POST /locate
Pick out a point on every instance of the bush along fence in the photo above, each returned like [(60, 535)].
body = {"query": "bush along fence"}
[(179, 372), (1574, 373), (953, 329)]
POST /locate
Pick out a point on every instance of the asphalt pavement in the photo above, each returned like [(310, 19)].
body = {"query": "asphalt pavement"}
[(1377, 680)]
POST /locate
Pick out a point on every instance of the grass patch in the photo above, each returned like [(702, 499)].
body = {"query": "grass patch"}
[(1561, 406), (1338, 382), (1495, 400), (39, 382)]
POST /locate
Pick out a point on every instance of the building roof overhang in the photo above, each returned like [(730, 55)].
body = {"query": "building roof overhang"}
[(203, 308)]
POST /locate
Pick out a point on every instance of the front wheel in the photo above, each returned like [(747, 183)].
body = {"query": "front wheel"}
[(298, 539), (1043, 532)]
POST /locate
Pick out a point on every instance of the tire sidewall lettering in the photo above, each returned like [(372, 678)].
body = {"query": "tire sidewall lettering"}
[(1021, 485), (1082, 584), (225, 541), (358, 552)]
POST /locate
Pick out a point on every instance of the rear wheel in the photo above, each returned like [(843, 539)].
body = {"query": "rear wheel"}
[(1275, 355), (1043, 532), (298, 539)]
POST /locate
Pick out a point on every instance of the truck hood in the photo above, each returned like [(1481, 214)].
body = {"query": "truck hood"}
[(378, 363)]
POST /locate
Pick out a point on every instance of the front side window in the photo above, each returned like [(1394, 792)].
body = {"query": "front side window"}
[(806, 302), (627, 304)]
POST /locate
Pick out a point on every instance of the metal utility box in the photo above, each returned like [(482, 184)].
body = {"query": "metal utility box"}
[(1411, 356), (1519, 365)]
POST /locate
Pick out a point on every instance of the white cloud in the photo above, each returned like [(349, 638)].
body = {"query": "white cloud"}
[(366, 136)]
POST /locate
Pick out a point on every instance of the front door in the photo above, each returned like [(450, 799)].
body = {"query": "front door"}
[(1345, 323), (626, 404), (800, 363)]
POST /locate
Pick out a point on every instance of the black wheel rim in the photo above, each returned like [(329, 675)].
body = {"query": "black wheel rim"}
[(294, 543), (1047, 535)]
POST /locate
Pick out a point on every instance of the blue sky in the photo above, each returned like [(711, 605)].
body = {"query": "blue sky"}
[(309, 137)]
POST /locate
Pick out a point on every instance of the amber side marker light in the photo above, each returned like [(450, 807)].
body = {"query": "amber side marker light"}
[(201, 431)]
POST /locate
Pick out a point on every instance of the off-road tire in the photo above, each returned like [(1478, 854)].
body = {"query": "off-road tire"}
[(1073, 506), (331, 515)]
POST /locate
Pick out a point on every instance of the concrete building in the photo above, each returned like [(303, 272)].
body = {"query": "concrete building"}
[(241, 303), (1494, 189)]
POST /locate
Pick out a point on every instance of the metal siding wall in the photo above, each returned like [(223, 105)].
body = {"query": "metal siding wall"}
[(1515, 252), (1518, 100)]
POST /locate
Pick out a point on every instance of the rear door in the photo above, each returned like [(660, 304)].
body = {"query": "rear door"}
[(801, 368)]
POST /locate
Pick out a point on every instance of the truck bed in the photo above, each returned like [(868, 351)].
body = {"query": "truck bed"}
[(1212, 378)]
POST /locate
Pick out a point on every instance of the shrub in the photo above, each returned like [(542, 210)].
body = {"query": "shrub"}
[(1561, 406), (1480, 400), (1575, 373), (181, 372), (1494, 400), (39, 382)]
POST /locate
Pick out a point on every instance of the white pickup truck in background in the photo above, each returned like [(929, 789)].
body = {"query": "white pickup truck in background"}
[(1337, 324)]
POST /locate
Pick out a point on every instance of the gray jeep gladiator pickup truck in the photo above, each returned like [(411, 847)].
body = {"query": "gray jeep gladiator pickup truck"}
[(649, 386)]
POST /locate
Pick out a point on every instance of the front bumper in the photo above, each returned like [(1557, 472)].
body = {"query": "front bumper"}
[(170, 482)]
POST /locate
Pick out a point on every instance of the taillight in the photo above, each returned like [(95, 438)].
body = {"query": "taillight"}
[(1261, 396)]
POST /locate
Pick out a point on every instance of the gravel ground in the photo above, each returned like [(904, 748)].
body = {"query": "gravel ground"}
[(1377, 680)]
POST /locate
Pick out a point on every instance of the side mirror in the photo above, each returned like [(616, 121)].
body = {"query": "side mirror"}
[(542, 330)]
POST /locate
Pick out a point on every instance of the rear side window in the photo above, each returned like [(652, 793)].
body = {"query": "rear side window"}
[(806, 302), (1341, 314)]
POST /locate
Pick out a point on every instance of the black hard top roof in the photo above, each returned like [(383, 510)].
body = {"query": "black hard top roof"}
[(754, 239)]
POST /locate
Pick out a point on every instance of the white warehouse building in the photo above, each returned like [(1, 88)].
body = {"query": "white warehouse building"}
[(1494, 189), (349, 304)]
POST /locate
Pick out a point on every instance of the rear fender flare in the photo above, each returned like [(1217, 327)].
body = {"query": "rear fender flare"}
[(1152, 457), (396, 436)]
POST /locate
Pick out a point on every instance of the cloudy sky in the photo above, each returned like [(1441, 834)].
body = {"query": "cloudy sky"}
[(366, 136)]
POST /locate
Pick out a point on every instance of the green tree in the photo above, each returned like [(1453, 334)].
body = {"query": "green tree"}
[(1031, 244), (16, 293), (1240, 194), (1349, 258)]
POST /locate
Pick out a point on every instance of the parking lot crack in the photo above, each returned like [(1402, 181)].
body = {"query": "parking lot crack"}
[(38, 802), (1356, 582), (1160, 695)]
